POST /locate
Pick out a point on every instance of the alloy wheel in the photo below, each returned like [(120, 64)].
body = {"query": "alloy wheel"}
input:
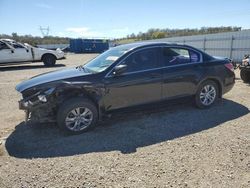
[(78, 119), (207, 95)]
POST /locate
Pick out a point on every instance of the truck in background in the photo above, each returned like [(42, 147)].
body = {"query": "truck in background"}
[(16, 52)]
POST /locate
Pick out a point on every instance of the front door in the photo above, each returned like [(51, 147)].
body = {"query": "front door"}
[(141, 83)]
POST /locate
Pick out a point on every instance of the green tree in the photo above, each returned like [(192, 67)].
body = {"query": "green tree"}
[(158, 35)]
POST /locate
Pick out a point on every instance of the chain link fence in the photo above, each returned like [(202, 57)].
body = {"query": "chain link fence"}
[(233, 45)]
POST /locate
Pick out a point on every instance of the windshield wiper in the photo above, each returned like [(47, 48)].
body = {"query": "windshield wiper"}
[(104, 66), (81, 67)]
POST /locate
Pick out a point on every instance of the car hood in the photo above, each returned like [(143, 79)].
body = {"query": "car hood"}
[(50, 77)]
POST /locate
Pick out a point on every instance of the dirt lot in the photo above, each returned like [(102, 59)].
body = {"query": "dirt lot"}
[(173, 146)]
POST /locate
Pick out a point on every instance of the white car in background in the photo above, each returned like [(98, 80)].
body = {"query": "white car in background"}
[(15, 52)]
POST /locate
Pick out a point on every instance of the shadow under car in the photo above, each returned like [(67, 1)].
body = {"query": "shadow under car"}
[(124, 132)]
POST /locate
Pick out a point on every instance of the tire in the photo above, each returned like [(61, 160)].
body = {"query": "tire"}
[(49, 60), (211, 98), (245, 75), (68, 120)]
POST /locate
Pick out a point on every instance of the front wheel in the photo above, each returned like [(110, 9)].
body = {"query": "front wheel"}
[(207, 94), (77, 115), (49, 60)]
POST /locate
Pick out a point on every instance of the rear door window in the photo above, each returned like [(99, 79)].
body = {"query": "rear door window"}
[(175, 56)]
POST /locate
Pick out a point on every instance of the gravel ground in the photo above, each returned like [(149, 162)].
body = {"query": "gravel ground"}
[(175, 145)]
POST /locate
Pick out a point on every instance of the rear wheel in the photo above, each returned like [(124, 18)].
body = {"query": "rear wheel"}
[(49, 60), (245, 74), (77, 115), (207, 94)]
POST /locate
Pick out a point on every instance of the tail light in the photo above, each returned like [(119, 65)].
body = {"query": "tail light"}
[(229, 66)]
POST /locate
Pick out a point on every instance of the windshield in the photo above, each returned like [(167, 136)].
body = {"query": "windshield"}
[(103, 61)]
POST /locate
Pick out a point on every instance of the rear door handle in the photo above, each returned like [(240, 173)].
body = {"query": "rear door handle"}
[(197, 65), (155, 75)]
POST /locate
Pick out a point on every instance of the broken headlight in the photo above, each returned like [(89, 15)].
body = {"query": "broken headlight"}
[(42, 96)]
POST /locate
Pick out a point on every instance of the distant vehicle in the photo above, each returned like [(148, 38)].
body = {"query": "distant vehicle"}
[(125, 76), (15, 52), (245, 69)]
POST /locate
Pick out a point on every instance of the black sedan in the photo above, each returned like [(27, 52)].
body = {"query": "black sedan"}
[(125, 76)]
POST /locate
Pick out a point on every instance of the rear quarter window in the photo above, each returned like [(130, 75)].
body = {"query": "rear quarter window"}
[(175, 56)]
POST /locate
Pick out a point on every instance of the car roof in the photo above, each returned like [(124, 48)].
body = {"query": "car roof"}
[(136, 45), (7, 40), (131, 46)]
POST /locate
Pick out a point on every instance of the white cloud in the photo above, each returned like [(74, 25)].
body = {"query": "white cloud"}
[(60, 34), (83, 32), (78, 29), (43, 5), (86, 32), (121, 30)]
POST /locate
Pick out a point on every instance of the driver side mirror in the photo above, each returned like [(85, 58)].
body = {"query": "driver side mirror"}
[(118, 70)]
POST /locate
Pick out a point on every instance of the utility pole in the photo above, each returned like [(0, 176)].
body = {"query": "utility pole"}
[(44, 31)]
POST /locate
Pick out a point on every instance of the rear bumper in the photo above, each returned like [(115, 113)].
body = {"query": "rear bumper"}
[(227, 88), (228, 84)]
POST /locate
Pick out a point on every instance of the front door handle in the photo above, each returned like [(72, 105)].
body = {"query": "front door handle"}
[(155, 75)]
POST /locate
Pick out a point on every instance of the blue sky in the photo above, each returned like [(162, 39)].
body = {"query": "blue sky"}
[(117, 18)]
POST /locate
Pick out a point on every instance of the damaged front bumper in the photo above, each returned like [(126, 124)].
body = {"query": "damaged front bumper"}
[(34, 100), (27, 107), (37, 105)]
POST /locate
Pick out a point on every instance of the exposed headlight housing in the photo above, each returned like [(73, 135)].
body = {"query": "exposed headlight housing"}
[(26, 104), (42, 98)]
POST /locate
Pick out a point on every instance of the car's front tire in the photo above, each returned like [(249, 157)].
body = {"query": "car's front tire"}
[(207, 94), (49, 60), (77, 115)]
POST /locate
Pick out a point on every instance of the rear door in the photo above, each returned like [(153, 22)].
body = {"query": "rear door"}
[(182, 72), (140, 84)]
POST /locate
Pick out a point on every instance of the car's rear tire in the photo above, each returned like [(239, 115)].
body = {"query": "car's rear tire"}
[(49, 60), (245, 74), (77, 115), (207, 94)]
